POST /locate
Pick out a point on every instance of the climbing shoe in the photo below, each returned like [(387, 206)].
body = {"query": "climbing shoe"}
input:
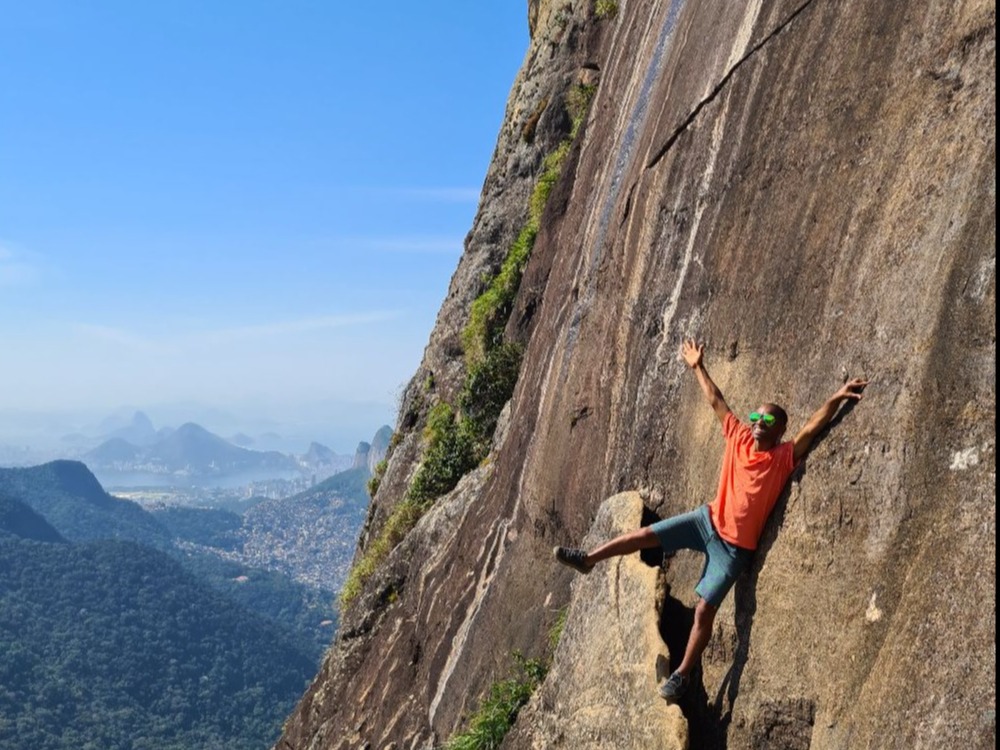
[(574, 558), (675, 686)]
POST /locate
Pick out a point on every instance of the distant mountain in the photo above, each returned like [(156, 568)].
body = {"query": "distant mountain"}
[(370, 454), (119, 420), (380, 443), (322, 460), (194, 536), (113, 451), (19, 520), (190, 450), (199, 451), (71, 499), (139, 431), (318, 453), (361, 455), (241, 439), (114, 645)]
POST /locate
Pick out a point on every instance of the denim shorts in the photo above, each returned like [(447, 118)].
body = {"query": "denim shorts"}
[(723, 561)]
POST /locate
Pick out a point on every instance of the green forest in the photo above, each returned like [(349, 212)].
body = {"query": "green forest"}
[(110, 644), (121, 628)]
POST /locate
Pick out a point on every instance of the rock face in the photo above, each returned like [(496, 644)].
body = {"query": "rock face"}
[(809, 187), (610, 656)]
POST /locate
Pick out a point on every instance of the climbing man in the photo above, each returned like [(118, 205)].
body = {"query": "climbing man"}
[(755, 468)]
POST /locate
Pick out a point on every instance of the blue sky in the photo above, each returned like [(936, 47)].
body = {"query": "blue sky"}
[(247, 205)]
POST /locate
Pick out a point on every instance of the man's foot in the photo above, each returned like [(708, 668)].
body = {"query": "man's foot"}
[(675, 686), (574, 558)]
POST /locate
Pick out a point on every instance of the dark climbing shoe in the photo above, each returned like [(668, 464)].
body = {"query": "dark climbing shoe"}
[(675, 686), (574, 558)]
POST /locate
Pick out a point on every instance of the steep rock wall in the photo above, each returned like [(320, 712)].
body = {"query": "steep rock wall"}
[(808, 186), (601, 692)]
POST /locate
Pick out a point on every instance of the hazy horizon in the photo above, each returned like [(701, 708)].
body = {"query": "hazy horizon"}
[(246, 207), (339, 426)]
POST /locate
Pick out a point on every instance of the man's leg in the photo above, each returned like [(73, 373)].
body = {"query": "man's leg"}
[(625, 544), (680, 532), (704, 617), (677, 684), (583, 561)]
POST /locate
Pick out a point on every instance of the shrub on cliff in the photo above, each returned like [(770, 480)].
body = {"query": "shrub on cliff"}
[(488, 386), (496, 715), (450, 454)]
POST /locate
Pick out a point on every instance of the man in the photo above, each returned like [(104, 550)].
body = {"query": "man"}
[(755, 469)]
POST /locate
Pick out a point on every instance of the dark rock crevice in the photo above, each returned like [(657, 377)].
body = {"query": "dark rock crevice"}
[(707, 730), (714, 94)]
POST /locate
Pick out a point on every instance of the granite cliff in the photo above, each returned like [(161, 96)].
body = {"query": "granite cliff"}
[(809, 187)]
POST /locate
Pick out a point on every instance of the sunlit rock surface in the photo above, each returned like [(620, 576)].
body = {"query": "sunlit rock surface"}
[(601, 690), (809, 187)]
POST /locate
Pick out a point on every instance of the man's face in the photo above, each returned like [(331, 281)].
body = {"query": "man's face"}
[(767, 434)]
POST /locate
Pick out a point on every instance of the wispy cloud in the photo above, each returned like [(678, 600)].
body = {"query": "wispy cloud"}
[(417, 245), (177, 343), (424, 194), (409, 244), (120, 337), (16, 267), (441, 194), (289, 327)]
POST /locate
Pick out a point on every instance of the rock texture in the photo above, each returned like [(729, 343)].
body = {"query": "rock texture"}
[(808, 186), (601, 690)]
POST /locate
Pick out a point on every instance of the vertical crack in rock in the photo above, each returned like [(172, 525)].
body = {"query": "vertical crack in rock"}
[(668, 144), (640, 267)]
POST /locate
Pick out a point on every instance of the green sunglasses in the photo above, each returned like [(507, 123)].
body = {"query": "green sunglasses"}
[(767, 419)]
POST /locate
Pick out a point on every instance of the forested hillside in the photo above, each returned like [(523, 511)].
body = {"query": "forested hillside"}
[(73, 501), (121, 628), (115, 646)]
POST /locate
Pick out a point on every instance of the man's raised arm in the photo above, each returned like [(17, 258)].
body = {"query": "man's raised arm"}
[(850, 391), (693, 354)]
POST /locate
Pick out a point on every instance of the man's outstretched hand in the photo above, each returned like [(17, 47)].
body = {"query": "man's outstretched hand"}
[(851, 390), (692, 352)]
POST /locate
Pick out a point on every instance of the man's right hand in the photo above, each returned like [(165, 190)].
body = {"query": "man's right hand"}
[(692, 352), (850, 391)]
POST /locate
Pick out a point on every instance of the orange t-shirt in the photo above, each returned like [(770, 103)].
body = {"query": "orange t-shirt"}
[(749, 485)]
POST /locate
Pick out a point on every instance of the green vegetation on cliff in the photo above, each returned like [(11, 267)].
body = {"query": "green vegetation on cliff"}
[(606, 8), (449, 455), (497, 713), (457, 443)]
